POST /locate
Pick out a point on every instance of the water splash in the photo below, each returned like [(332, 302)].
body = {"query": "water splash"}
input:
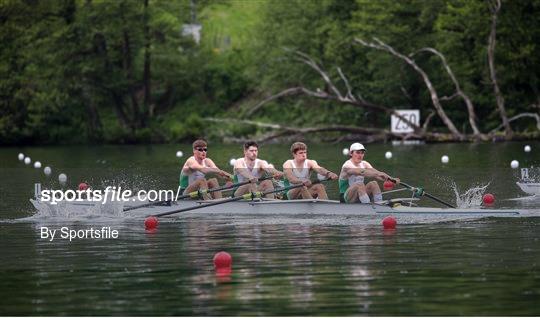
[(66, 210), (472, 196)]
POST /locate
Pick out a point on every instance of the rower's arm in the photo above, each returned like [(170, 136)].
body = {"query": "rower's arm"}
[(321, 170), (271, 170), (243, 171), (287, 170), (212, 168), (367, 172)]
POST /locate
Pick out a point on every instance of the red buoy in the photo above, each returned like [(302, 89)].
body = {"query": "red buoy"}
[(222, 260), (389, 222), (488, 199), (83, 186), (150, 223), (388, 185)]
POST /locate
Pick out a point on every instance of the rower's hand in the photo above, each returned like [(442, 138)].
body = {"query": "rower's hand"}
[(307, 183), (332, 176), (395, 180), (253, 180), (278, 175), (229, 183), (383, 177), (225, 174)]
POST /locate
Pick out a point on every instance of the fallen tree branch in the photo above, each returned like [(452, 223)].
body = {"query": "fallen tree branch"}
[(380, 45), (459, 92), (309, 61), (287, 92), (288, 131), (428, 120), (334, 95), (522, 115)]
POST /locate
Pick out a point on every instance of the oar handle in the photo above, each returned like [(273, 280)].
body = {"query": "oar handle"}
[(195, 194), (247, 196)]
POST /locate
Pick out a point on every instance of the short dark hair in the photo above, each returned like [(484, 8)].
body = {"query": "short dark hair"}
[(250, 143), (298, 146), (199, 143)]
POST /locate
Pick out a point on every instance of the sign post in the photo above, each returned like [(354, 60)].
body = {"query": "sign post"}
[(398, 126)]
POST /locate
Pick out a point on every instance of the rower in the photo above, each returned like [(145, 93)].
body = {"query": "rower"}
[(298, 170), (195, 169), (252, 168), (351, 179)]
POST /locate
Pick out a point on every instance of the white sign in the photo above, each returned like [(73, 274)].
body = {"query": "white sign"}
[(399, 126)]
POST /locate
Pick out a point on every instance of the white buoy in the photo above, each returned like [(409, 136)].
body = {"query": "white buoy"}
[(445, 159), (62, 178), (21, 157), (345, 151), (514, 164), (527, 148), (47, 170), (27, 160), (388, 155), (179, 154), (37, 164), (232, 161)]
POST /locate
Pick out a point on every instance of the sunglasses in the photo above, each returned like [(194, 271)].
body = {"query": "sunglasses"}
[(202, 149)]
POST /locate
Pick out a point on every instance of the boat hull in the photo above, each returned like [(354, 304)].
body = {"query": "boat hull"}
[(529, 187), (305, 208)]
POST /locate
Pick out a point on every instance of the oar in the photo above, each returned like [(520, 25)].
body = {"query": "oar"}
[(195, 194), (420, 192), (247, 196)]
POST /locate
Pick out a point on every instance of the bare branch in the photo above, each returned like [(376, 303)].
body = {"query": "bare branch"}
[(459, 92), (344, 79), (309, 61), (288, 92), (326, 96), (448, 98), (428, 120), (380, 45), (288, 131), (336, 96), (495, 7), (522, 115)]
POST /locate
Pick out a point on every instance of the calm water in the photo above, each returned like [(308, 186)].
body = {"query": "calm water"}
[(282, 266)]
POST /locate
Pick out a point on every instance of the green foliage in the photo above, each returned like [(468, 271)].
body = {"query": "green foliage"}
[(76, 71)]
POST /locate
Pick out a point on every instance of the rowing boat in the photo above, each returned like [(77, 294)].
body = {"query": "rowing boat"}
[(307, 208), (529, 187), (528, 184)]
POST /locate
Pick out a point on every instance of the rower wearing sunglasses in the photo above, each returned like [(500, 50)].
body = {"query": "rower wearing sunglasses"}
[(195, 170), (351, 179)]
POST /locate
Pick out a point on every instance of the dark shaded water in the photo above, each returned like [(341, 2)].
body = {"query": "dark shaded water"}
[(282, 266)]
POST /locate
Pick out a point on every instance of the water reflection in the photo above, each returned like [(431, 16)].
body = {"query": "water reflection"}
[(301, 265)]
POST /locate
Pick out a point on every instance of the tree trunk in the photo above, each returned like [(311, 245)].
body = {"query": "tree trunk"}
[(100, 45), (147, 75), (94, 121), (495, 6), (128, 68)]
